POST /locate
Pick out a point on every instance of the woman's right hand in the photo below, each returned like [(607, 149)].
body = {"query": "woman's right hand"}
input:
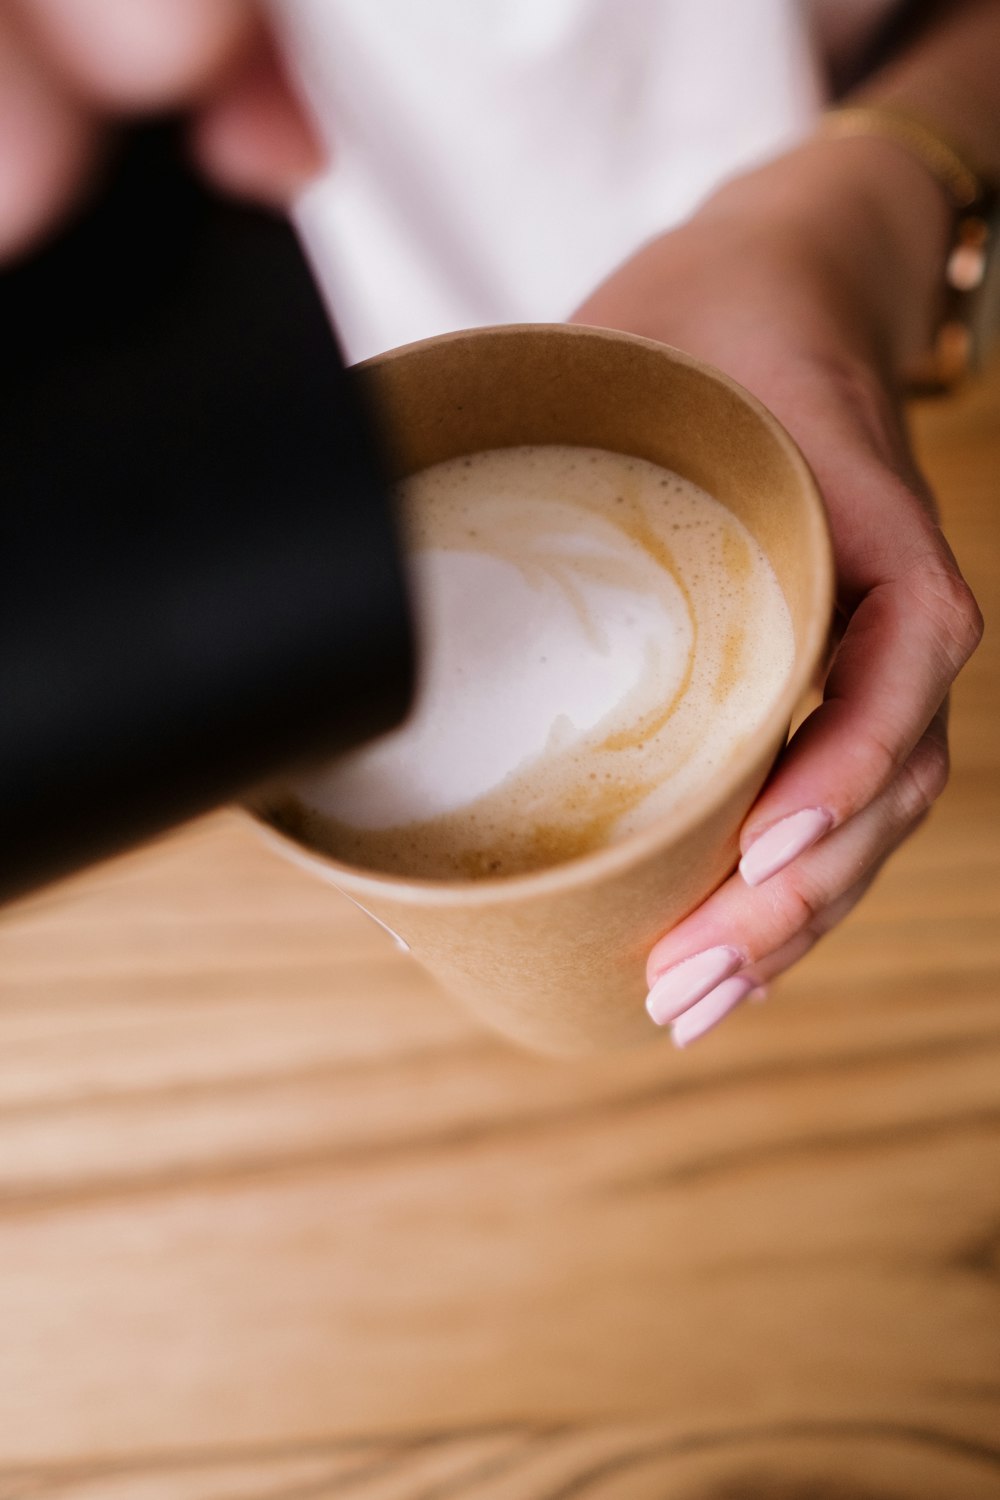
[(70, 69)]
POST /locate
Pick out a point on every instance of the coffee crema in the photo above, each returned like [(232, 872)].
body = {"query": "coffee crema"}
[(598, 636)]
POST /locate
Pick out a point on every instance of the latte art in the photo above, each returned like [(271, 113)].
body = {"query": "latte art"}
[(598, 638)]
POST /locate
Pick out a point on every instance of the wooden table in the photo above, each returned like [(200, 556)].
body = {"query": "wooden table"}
[(277, 1221)]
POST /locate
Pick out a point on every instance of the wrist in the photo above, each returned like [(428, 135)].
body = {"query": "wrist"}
[(871, 221)]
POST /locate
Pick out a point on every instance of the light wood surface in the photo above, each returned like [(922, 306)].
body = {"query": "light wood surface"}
[(277, 1221)]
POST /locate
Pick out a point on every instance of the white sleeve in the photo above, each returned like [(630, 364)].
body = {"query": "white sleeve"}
[(493, 161)]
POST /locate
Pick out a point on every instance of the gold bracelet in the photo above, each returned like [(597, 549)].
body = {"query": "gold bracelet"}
[(963, 185), (965, 325)]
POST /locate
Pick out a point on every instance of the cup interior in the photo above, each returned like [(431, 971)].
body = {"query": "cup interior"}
[(497, 388), (536, 384)]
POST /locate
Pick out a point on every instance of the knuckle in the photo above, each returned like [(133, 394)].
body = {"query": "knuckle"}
[(798, 905), (961, 618), (782, 958), (946, 596), (880, 758), (841, 907), (923, 778)]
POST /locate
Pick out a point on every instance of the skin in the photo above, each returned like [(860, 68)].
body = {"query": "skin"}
[(778, 292), (813, 281)]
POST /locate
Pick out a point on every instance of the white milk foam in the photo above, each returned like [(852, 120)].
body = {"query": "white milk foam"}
[(598, 636)]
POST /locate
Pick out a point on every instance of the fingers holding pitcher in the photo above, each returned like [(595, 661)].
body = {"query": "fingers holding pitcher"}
[(71, 71)]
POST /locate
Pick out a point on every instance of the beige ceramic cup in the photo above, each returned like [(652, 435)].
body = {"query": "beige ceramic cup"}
[(556, 958)]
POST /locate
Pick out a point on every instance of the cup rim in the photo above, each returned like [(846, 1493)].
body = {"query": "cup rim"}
[(632, 848)]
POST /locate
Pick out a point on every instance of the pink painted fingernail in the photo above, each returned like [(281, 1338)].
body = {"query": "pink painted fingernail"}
[(689, 980), (783, 842), (709, 1011)]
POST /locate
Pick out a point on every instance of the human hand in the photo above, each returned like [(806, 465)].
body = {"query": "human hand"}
[(69, 69), (799, 283)]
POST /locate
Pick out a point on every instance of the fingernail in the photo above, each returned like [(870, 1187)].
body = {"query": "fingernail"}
[(710, 1010), (783, 842), (689, 980)]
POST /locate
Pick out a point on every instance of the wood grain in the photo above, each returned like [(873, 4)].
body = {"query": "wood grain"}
[(277, 1221)]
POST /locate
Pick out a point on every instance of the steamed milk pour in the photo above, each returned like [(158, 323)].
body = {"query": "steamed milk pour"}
[(598, 637)]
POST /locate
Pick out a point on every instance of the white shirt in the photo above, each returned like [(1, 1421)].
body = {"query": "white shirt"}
[(493, 160)]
